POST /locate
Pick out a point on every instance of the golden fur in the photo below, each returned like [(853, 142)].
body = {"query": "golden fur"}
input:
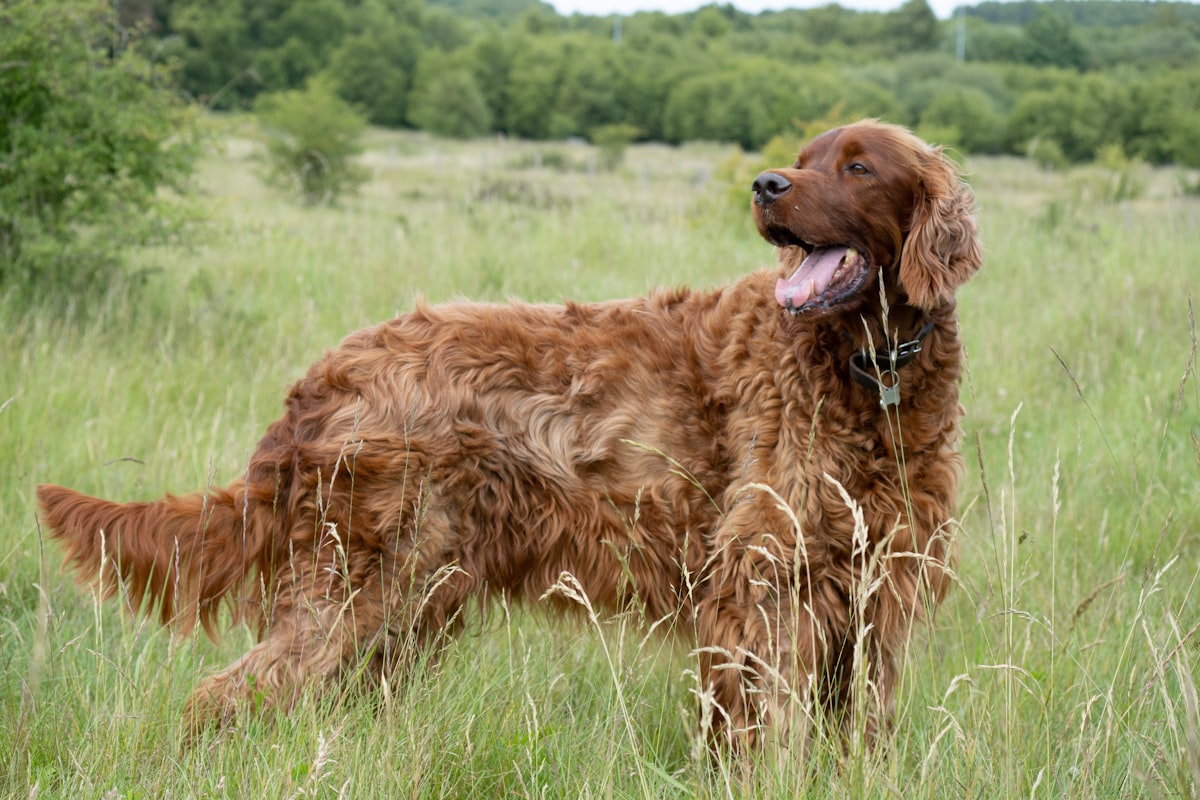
[(688, 453)]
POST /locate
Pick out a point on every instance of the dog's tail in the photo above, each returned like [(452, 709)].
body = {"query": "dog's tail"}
[(184, 555)]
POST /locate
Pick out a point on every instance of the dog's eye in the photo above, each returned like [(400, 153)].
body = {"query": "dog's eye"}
[(858, 169)]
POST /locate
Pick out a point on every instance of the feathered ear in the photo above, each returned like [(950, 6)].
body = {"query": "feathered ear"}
[(942, 251)]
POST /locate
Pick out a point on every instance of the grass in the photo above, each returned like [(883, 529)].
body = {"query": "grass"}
[(1062, 665)]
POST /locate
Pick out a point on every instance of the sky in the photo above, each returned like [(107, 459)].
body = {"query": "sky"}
[(943, 8)]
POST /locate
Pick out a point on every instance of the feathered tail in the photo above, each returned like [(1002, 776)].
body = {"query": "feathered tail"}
[(184, 555)]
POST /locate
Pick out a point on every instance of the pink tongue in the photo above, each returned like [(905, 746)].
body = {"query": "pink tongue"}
[(811, 278)]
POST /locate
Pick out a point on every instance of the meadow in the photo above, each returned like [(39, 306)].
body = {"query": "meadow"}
[(1063, 663)]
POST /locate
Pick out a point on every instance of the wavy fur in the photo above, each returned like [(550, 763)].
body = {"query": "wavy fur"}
[(698, 455)]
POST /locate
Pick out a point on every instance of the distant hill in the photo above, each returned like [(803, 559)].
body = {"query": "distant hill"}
[(1093, 13), (502, 10)]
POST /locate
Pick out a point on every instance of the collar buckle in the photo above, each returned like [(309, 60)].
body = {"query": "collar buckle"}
[(879, 372)]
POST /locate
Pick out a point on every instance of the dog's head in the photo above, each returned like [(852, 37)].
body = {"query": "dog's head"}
[(864, 203)]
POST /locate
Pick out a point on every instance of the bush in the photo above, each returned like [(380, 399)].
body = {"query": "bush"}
[(1047, 154), (312, 139), (90, 132), (1081, 114), (969, 113), (612, 141), (1121, 179)]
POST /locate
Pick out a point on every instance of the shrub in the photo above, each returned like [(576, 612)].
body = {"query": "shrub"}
[(90, 132), (1189, 186), (312, 139), (967, 112), (612, 141), (1121, 178), (1046, 153), (1081, 114)]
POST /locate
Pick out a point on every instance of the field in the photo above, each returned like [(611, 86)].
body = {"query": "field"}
[(1062, 665)]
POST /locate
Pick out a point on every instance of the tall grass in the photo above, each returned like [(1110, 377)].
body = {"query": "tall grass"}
[(1062, 665)]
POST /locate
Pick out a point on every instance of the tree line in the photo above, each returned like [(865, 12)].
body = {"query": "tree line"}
[(1081, 74), (100, 100)]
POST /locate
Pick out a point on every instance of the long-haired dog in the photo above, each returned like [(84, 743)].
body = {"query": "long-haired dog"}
[(770, 467)]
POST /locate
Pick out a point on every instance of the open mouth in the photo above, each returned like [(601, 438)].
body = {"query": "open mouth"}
[(828, 276)]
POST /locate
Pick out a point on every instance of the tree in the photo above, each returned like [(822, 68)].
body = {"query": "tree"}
[(963, 116), (213, 43), (732, 105), (445, 30), (1050, 41), (313, 137), (533, 80), (1166, 125), (711, 22), (372, 70), (446, 100), (91, 133), (489, 57), (587, 97), (913, 27), (1080, 114)]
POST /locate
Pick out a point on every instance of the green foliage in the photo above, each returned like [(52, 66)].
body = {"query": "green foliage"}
[(1050, 41), (503, 10), (587, 88), (1121, 175), (533, 79), (1078, 114), (312, 138), (1189, 185), (1061, 663), (1163, 125), (372, 70), (966, 117), (446, 100), (752, 101), (91, 134), (445, 30), (213, 43), (613, 140), (913, 27), (300, 39), (711, 22), (715, 73), (1046, 153)]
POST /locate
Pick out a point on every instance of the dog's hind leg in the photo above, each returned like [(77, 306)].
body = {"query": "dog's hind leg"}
[(312, 639), (423, 592)]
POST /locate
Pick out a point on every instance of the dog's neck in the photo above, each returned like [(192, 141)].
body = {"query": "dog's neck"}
[(879, 330), (880, 345)]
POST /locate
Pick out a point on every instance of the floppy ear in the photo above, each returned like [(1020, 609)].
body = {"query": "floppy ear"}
[(942, 250)]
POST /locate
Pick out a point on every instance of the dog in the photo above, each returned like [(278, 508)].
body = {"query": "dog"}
[(766, 469)]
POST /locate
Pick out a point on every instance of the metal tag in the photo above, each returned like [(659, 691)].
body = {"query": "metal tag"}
[(889, 389)]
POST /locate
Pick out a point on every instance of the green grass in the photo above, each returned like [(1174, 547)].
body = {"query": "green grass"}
[(1062, 665)]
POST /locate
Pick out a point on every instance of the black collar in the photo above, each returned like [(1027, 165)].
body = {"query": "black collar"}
[(878, 371)]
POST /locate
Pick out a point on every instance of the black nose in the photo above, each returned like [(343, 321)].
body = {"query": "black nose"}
[(769, 187)]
